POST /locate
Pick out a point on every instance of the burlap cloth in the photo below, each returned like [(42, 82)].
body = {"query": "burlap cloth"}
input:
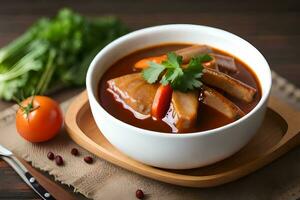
[(102, 180)]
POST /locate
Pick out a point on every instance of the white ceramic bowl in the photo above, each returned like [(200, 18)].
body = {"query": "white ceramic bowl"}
[(178, 151)]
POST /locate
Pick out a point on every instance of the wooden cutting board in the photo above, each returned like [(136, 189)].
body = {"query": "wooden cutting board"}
[(278, 134)]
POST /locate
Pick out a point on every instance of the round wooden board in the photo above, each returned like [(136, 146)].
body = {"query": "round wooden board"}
[(278, 134)]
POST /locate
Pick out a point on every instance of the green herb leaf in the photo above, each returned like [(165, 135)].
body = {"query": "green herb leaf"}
[(152, 73), (174, 70), (179, 78), (173, 61), (196, 62)]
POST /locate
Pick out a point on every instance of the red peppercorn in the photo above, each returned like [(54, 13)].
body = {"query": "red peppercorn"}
[(50, 155), (59, 160), (139, 194), (88, 159), (74, 152)]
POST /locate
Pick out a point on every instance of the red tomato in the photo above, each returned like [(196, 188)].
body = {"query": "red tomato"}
[(38, 119)]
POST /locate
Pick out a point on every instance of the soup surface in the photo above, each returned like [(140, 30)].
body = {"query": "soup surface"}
[(207, 117)]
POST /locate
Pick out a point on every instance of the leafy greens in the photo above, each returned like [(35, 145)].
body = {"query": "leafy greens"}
[(54, 53)]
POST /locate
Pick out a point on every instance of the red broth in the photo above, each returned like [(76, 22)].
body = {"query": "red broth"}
[(208, 118)]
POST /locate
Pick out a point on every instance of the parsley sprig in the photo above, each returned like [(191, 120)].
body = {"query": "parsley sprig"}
[(179, 77)]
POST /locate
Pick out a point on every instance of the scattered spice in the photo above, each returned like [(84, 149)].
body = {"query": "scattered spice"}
[(88, 159), (50, 155), (139, 194), (59, 160), (75, 152)]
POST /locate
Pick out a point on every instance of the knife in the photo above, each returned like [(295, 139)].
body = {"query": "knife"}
[(8, 156)]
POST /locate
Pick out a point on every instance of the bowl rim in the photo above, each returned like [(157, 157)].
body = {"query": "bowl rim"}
[(133, 34)]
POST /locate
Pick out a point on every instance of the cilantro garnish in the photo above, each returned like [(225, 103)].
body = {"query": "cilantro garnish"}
[(172, 72)]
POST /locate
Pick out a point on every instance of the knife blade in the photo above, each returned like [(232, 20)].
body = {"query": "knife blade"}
[(8, 156), (4, 151)]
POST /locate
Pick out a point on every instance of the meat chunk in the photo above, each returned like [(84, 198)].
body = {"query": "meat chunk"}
[(134, 93), (184, 108), (186, 53), (192, 51), (220, 103), (228, 84), (225, 63)]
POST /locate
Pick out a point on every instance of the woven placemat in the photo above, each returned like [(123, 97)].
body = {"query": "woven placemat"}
[(102, 180)]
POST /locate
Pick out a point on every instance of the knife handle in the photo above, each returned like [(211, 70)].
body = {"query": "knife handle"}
[(27, 177), (43, 193)]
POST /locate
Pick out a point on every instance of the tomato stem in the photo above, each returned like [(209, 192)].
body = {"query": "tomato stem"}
[(28, 108)]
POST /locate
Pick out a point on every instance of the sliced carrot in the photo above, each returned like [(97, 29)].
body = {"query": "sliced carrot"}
[(144, 63), (161, 101)]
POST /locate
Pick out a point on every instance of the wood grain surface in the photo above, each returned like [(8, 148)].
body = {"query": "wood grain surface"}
[(271, 26), (280, 122)]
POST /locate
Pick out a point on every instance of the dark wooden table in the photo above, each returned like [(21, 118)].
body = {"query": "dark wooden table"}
[(272, 26)]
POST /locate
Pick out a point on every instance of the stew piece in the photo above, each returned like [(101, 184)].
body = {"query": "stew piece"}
[(184, 109), (134, 93)]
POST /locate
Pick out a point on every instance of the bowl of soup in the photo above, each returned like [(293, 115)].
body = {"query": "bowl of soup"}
[(179, 96)]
